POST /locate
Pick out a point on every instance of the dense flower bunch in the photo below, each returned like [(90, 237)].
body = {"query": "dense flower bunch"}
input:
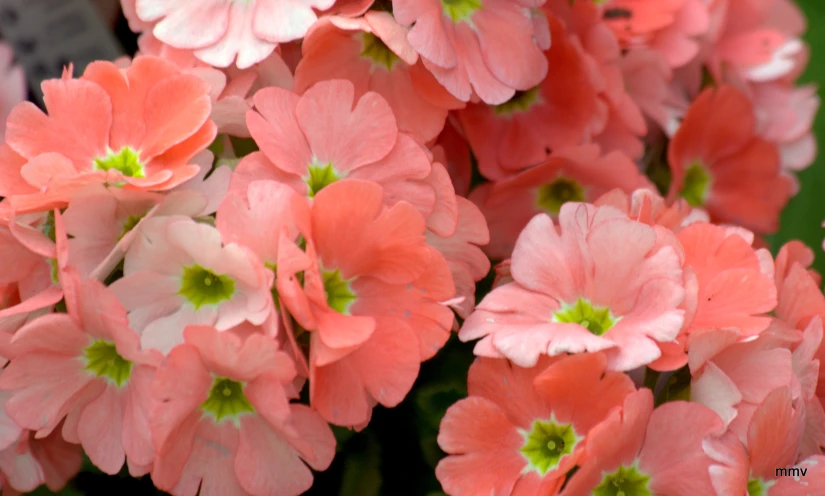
[(265, 222)]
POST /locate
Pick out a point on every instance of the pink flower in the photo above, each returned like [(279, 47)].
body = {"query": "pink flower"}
[(87, 367), (670, 27), (736, 283), (521, 430), (649, 451), (370, 295), (12, 86), (221, 420), (555, 115), (311, 141), (179, 272), (602, 282), (785, 116), (485, 48), (374, 55), (750, 466), (137, 127), (31, 461), (575, 174), (224, 31)]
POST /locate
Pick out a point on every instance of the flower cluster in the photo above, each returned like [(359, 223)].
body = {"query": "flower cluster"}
[(262, 225)]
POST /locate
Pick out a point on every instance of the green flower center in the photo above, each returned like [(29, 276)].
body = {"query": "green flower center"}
[(521, 102), (547, 443), (626, 481), (320, 176), (697, 185), (226, 400), (203, 287), (597, 320), (758, 487), (459, 10), (126, 161), (378, 52), (340, 296), (553, 195), (103, 360)]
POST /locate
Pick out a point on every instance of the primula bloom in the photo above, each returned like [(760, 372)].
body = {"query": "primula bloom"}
[(667, 26), (226, 31), (87, 367), (736, 282), (12, 86), (370, 295), (557, 114), (179, 272), (373, 53), (719, 163), (602, 282), (221, 420), (785, 116), (521, 430), (772, 442), (311, 141), (137, 127), (485, 48), (733, 378), (29, 462), (641, 451), (576, 174)]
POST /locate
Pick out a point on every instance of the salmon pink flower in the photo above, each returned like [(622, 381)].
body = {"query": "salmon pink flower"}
[(639, 450), (785, 116), (521, 430), (226, 31), (557, 114), (602, 282), (733, 378), (221, 420), (670, 27), (370, 296), (180, 272), (485, 48), (576, 174), (138, 127), (719, 163), (736, 282), (646, 206), (773, 436), (31, 461), (311, 141), (12, 86), (374, 55), (87, 367)]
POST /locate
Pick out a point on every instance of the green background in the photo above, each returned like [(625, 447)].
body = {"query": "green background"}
[(803, 217)]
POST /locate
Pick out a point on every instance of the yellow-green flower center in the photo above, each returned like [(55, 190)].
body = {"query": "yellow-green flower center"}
[(597, 320), (103, 360), (547, 443), (320, 176), (340, 296), (201, 286), (226, 400), (697, 184), (378, 52), (521, 102), (552, 196), (626, 481), (758, 487), (126, 161), (459, 10)]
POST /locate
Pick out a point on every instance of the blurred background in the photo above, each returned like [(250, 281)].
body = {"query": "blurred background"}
[(397, 454)]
